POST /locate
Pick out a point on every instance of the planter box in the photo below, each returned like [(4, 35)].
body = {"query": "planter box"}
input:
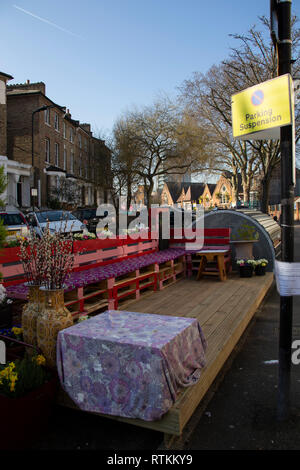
[(246, 271), (23, 419), (260, 270)]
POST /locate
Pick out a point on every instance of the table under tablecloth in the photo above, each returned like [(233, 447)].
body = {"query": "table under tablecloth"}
[(130, 364)]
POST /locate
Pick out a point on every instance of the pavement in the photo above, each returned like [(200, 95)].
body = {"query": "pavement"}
[(241, 414)]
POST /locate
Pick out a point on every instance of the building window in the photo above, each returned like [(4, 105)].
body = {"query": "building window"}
[(72, 162), (47, 116), (79, 141), (56, 154), (47, 150), (65, 130), (80, 165), (65, 159), (71, 135), (86, 170), (56, 121), (85, 145)]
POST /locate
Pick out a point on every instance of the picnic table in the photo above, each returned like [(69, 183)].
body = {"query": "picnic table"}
[(209, 256)]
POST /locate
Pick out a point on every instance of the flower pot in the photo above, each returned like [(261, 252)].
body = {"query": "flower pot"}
[(54, 316), (260, 270), (30, 314), (246, 271), (244, 248), (6, 316), (23, 419)]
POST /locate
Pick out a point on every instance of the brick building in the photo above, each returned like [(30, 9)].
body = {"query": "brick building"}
[(69, 162), (17, 174)]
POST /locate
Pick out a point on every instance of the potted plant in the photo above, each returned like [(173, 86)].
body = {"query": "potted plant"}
[(260, 267), (246, 267), (27, 394), (244, 238), (84, 236)]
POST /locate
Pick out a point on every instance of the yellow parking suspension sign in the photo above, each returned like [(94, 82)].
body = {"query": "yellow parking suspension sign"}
[(259, 111)]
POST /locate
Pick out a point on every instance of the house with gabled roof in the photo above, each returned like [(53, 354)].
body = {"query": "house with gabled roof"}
[(205, 194)]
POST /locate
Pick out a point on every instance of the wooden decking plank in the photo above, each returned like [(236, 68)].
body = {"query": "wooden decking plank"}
[(224, 310), (204, 312), (173, 301), (190, 399), (211, 324)]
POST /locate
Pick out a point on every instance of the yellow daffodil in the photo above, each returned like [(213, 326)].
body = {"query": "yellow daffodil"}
[(16, 331), (40, 360)]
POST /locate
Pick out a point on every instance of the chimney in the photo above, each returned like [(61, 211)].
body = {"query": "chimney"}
[(27, 82), (86, 127)]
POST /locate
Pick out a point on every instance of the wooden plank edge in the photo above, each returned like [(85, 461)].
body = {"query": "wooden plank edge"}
[(171, 428)]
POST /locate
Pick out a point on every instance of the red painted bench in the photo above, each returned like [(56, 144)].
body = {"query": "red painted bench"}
[(109, 272)]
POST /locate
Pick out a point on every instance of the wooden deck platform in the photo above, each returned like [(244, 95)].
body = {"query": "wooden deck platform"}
[(224, 309)]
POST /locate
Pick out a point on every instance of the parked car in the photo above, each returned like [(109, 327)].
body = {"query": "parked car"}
[(15, 223), (57, 220), (89, 217)]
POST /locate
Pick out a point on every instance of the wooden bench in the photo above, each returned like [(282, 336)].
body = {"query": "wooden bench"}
[(108, 273), (112, 282)]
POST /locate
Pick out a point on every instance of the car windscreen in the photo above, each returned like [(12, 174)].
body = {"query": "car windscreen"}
[(91, 214), (54, 216), (87, 214), (12, 219)]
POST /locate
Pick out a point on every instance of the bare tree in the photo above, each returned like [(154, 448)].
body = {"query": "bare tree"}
[(157, 141), (208, 98), (66, 194)]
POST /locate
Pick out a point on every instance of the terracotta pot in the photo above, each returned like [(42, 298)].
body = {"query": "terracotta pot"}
[(54, 316), (244, 248), (26, 417), (30, 315)]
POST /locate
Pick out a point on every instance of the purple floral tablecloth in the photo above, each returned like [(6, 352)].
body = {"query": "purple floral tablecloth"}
[(130, 364)]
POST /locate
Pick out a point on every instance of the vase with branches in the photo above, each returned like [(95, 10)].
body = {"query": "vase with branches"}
[(47, 263), (59, 259), (34, 266)]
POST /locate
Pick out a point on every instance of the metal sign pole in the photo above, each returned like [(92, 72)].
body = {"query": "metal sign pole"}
[(287, 214)]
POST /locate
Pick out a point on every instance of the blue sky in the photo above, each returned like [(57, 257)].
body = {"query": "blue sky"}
[(101, 57)]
